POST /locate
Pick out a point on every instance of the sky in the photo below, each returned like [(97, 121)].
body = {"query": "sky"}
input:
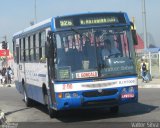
[(15, 15)]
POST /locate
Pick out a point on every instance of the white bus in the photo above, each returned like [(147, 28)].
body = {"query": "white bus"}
[(58, 62)]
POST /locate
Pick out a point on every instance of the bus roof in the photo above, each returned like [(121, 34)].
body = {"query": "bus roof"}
[(89, 20), (54, 22), (92, 13), (35, 27)]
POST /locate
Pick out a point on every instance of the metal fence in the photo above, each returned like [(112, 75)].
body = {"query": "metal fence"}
[(154, 63)]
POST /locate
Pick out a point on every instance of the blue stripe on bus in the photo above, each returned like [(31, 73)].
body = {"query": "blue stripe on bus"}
[(33, 91), (77, 102)]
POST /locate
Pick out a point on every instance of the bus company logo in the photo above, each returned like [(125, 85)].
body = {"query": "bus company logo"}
[(100, 90)]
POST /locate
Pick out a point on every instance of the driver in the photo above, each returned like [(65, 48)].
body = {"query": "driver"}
[(109, 50)]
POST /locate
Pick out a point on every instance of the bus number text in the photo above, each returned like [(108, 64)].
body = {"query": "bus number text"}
[(67, 86)]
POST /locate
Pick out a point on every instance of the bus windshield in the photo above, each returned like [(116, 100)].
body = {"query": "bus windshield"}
[(82, 54)]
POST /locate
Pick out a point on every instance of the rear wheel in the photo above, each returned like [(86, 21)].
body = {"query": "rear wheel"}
[(27, 100), (114, 109)]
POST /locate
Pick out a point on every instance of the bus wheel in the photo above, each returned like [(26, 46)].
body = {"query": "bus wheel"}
[(27, 100), (52, 113), (114, 109)]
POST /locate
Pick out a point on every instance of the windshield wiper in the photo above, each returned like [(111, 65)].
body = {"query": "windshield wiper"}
[(76, 31), (81, 35)]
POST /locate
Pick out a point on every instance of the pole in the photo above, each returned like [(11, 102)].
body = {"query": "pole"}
[(150, 63), (6, 62), (5, 38), (144, 25)]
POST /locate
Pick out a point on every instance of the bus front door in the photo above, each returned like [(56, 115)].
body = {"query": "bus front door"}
[(51, 70)]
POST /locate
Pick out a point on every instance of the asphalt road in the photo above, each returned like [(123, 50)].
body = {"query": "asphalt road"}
[(147, 110)]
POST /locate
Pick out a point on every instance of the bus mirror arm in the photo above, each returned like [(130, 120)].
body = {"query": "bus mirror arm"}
[(134, 34), (48, 50), (54, 48)]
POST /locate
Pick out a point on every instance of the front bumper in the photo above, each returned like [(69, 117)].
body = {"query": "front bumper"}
[(94, 99)]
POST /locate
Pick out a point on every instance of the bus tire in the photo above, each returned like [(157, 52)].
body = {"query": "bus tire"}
[(52, 113), (44, 90), (27, 100), (114, 109)]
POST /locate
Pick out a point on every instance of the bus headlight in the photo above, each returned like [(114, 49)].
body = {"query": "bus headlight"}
[(67, 95), (131, 90), (124, 91), (75, 94), (60, 95)]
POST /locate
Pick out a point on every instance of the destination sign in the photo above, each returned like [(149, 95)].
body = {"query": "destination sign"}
[(89, 20), (101, 20), (66, 23)]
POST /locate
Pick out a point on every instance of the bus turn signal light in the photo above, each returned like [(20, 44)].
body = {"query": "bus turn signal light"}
[(60, 95)]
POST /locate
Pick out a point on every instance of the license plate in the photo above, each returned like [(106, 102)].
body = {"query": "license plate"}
[(127, 95)]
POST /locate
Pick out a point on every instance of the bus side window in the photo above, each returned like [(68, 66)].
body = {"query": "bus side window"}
[(21, 49), (29, 48), (37, 47), (17, 55), (34, 47), (24, 51), (40, 46), (42, 39)]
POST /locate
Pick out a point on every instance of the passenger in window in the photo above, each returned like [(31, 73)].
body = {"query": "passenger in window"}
[(109, 50), (66, 45), (86, 49), (98, 44), (89, 54)]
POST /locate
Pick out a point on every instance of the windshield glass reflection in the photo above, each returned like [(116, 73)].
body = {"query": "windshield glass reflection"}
[(99, 52)]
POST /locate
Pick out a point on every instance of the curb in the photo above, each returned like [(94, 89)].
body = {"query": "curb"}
[(149, 86), (7, 85)]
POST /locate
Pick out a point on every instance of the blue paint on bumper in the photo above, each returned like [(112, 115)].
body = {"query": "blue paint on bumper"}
[(82, 101)]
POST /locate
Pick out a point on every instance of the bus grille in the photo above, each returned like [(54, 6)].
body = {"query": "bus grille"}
[(101, 102), (97, 93)]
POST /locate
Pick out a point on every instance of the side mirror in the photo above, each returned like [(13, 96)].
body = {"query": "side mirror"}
[(49, 36), (134, 34), (49, 45)]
